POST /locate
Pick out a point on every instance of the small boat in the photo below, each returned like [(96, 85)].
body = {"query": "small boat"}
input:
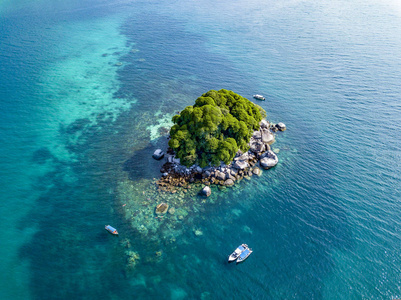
[(259, 97), (244, 255), (233, 256), (111, 229)]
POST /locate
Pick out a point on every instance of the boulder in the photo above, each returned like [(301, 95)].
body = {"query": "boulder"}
[(267, 137), (158, 154), (281, 126), (257, 135), (257, 147), (269, 160), (161, 209), (198, 169), (241, 165), (233, 172), (256, 171), (220, 175), (206, 191), (264, 124), (228, 182), (243, 157), (229, 176)]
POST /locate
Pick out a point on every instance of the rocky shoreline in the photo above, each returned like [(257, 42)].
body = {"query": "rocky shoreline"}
[(244, 165)]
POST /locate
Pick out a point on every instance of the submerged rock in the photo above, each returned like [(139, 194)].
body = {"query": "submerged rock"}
[(132, 258), (198, 232), (229, 182), (162, 208)]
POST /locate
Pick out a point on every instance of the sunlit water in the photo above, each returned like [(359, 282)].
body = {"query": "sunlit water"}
[(87, 91)]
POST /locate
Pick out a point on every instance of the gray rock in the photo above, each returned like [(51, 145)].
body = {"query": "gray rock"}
[(268, 160), (233, 172), (158, 154), (198, 169), (256, 171), (206, 191), (243, 157), (241, 165), (207, 173), (257, 135), (257, 147), (281, 126), (220, 175), (264, 124), (229, 182), (267, 137), (161, 209)]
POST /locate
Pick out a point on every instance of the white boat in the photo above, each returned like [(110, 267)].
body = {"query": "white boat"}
[(259, 97), (244, 255), (237, 252)]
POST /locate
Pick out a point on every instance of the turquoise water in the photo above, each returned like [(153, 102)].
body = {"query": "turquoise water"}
[(87, 91)]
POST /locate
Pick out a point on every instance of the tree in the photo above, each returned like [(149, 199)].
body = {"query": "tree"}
[(214, 128)]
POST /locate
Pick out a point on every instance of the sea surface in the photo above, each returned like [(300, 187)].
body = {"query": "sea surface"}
[(87, 92)]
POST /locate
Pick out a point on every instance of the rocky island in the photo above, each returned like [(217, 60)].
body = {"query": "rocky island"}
[(214, 144), (221, 139)]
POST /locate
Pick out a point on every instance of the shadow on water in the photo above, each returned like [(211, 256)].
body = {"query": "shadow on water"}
[(141, 165)]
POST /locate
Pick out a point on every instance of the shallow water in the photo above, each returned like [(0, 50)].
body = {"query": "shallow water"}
[(88, 89)]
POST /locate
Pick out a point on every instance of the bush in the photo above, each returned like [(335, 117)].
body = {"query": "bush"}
[(212, 130)]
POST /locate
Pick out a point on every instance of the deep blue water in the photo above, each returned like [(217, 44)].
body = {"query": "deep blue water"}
[(86, 90)]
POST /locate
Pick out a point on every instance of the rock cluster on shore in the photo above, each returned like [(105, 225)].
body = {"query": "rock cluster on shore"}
[(243, 165)]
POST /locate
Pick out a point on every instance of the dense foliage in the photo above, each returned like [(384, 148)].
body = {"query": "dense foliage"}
[(212, 130)]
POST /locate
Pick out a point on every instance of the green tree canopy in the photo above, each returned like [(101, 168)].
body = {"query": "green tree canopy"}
[(212, 130)]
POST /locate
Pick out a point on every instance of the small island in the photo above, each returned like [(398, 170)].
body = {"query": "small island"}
[(218, 140)]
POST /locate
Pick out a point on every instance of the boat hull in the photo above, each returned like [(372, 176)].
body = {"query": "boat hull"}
[(244, 255), (237, 252), (111, 230), (259, 97)]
